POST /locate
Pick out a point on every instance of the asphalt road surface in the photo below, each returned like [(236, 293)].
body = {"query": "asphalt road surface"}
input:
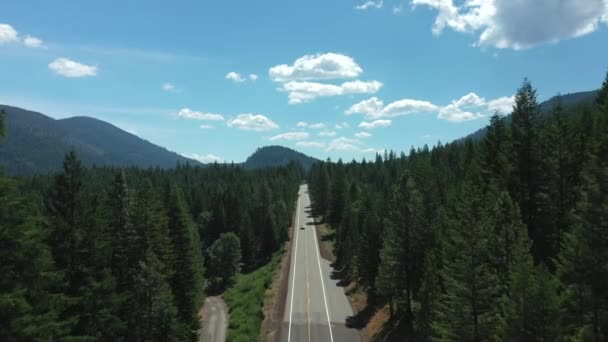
[(316, 308), (215, 322)]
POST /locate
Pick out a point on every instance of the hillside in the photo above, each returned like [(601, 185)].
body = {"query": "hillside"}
[(569, 101), (36, 143), (270, 156)]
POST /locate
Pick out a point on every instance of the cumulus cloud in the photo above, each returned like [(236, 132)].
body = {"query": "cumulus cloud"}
[(516, 24), (253, 77), (187, 113), (375, 124), (502, 104), (205, 159), (252, 122), (318, 125), (316, 67), (301, 92), (33, 42), (469, 107), (69, 68), (397, 9), (291, 136), (302, 124), (317, 144), (205, 126), (235, 77), (374, 108), (8, 34), (369, 4), (327, 133), (363, 135)]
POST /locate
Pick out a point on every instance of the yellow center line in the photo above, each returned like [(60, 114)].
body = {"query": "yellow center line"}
[(307, 283)]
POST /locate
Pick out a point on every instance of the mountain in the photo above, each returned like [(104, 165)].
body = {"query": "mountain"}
[(583, 98), (36, 143), (269, 156)]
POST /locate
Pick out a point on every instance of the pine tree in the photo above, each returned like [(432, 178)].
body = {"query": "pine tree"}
[(494, 162), (337, 196), (467, 308), (583, 261), (526, 180), (398, 272), (187, 281), (29, 302)]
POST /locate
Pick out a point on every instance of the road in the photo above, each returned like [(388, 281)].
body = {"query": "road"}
[(316, 308), (215, 321)]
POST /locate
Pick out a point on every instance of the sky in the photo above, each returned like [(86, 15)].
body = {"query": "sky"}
[(214, 80)]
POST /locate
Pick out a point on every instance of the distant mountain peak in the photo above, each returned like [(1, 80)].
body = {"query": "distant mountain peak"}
[(276, 155)]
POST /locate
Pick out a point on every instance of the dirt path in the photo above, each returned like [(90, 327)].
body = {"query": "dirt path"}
[(215, 320)]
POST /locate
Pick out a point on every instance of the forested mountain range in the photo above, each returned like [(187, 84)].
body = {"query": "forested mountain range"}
[(499, 238), (36, 143)]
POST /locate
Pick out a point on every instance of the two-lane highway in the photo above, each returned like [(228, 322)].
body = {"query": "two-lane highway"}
[(316, 308)]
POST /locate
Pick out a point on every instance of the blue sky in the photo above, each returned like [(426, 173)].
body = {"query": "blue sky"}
[(332, 78)]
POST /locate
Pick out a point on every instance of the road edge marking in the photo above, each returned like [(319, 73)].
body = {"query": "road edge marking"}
[(295, 264), (321, 274)]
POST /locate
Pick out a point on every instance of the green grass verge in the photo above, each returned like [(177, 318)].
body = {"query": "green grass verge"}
[(246, 300)]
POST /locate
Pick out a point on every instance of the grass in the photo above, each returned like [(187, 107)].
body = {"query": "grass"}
[(246, 300)]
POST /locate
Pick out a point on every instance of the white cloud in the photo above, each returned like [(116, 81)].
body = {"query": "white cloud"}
[(373, 108), (369, 4), (170, 87), (472, 107), (342, 125), (301, 92), (8, 34), (469, 107), (205, 126), (205, 159), (318, 125), (327, 133), (68, 68), (33, 42), (316, 67), (302, 124), (363, 135), (291, 136), (344, 144), (519, 24), (426, 136), (235, 77), (311, 144), (502, 104), (253, 77), (252, 122), (397, 9), (187, 113), (375, 124)]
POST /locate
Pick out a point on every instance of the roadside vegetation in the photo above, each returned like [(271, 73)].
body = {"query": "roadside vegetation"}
[(246, 300)]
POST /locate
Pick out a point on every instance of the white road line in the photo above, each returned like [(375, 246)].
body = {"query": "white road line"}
[(295, 264), (314, 229)]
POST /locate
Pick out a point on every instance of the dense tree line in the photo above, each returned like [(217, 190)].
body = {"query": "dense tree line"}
[(127, 254), (503, 238)]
